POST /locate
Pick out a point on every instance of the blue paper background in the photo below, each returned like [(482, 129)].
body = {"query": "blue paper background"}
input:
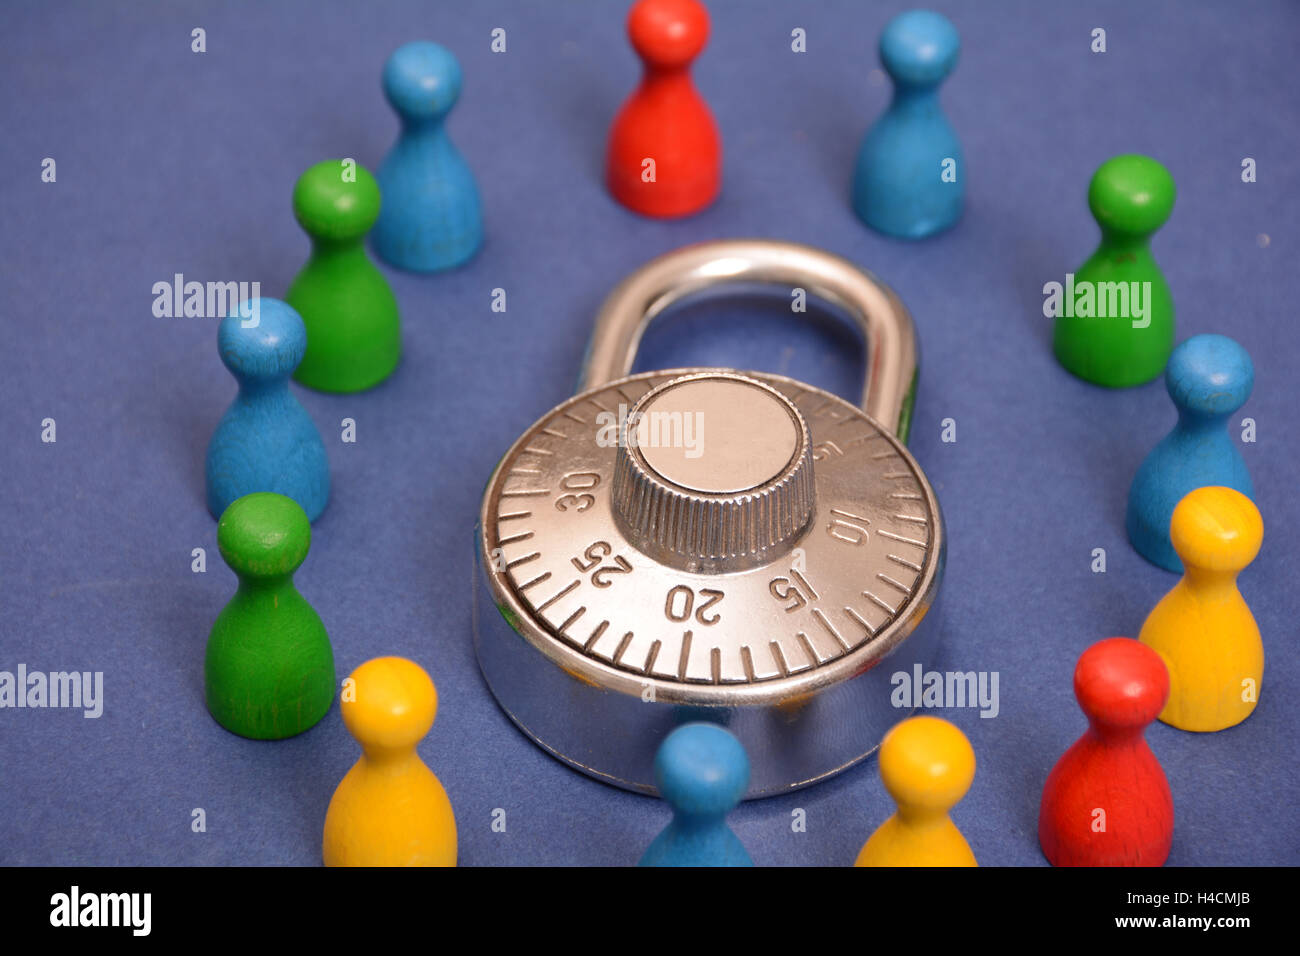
[(171, 161)]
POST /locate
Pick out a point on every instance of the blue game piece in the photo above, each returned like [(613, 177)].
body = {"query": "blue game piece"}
[(1209, 377), (702, 771), (266, 441), (910, 177), (430, 217)]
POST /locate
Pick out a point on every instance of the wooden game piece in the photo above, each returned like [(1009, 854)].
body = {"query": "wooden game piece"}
[(1203, 629), (1107, 802), (431, 217), (664, 157), (354, 336), (702, 771), (268, 672), (1130, 197), (1209, 377), (265, 441), (390, 809), (910, 178), (927, 765)]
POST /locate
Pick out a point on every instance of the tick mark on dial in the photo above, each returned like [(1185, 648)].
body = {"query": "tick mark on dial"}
[(577, 582), (879, 603), (892, 583), (650, 659), (521, 536), (904, 562), (685, 657), (572, 617), (595, 635), (622, 647), (779, 656), (537, 580), (852, 612), (918, 520), (899, 537), (830, 628), (808, 645)]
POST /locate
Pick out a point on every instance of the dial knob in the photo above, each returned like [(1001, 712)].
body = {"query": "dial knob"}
[(714, 472)]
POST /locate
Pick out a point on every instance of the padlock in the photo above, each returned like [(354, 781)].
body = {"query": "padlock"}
[(708, 544)]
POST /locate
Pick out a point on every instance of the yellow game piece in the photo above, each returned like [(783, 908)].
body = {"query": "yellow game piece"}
[(927, 765), (1202, 628), (390, 810)]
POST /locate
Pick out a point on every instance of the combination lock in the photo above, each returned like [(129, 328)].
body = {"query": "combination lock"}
[(708, 544)]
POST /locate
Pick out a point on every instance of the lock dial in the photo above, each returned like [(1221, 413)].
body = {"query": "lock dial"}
[(708, 537)]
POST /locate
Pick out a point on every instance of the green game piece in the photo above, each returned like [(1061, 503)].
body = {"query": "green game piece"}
[(354, 335), (1130, 197), (269, 669)]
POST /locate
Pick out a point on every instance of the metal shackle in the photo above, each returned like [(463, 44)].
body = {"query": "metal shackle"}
[(731, 265)]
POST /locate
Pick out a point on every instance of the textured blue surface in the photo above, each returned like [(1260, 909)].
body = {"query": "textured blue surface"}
[(1208, 377), (701, 771), (174, 161), (266, 441), (431, 217), (910, 179)]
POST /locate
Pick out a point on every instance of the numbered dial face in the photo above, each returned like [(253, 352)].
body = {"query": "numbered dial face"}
[(586, 588)]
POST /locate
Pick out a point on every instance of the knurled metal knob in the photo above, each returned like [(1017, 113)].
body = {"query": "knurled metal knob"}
[(714, 472)]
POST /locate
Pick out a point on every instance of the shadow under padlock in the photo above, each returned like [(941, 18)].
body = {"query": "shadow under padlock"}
[(702, 543)]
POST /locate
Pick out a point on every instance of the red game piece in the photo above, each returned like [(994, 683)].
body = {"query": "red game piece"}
[(665, 158), (1107, 802)]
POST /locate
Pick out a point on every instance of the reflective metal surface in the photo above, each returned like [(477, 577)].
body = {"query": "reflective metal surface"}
[(760, 553), (728, 266)]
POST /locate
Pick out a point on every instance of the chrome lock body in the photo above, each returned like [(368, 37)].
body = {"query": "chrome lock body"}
[(707, 544)]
